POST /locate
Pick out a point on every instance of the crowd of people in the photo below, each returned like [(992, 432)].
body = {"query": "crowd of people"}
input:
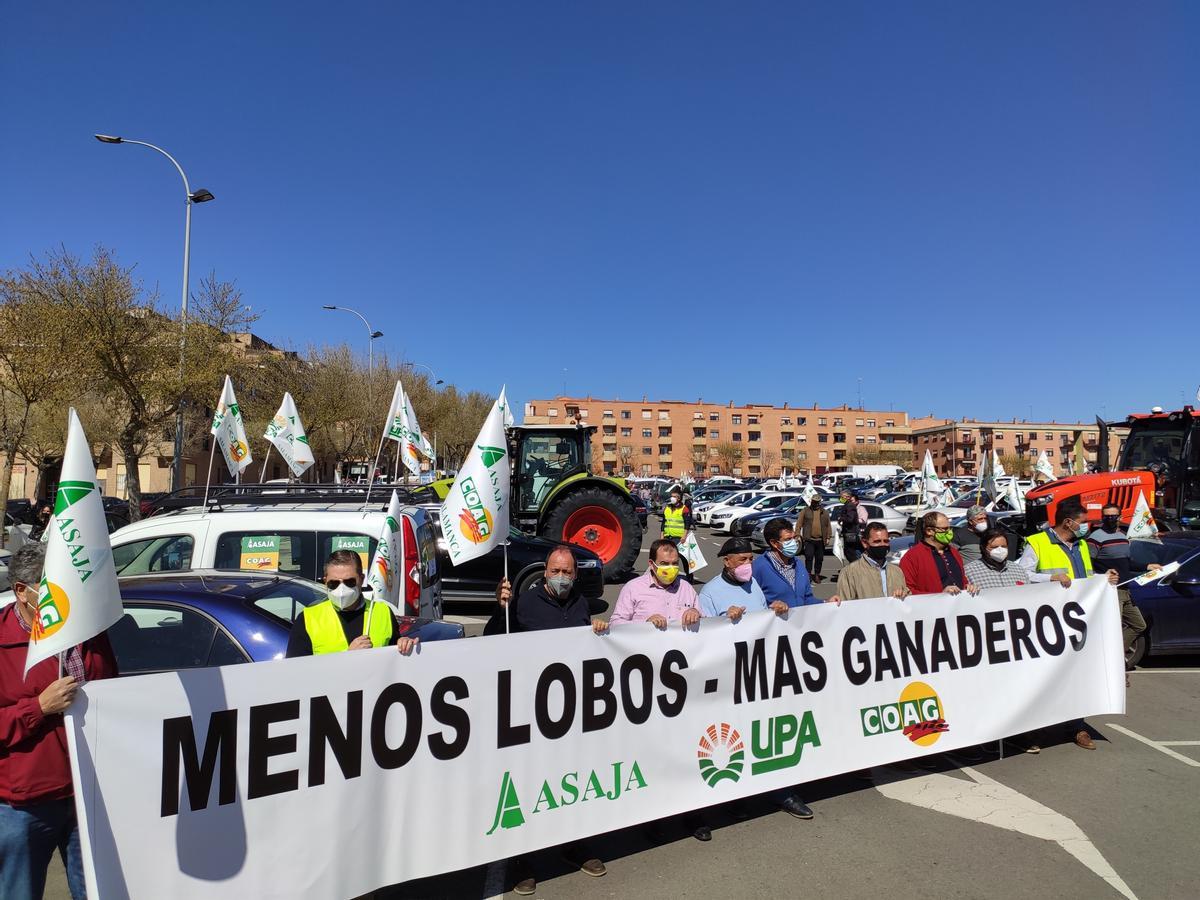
[(37, 813)]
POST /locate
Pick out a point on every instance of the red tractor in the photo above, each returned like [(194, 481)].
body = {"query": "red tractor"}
[(1160, 458)]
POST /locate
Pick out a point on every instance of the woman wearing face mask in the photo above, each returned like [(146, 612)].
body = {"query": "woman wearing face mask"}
[(344, 621), (776, 571), (995, 569)]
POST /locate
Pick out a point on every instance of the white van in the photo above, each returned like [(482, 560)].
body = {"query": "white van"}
[(289, 537)]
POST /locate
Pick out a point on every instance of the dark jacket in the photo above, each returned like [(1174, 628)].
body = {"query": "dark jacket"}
[(966, 540), (34, 766), (921, 570), (808, 518), (536, 610)]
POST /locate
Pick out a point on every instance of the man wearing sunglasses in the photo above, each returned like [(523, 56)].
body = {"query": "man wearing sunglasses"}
[(344, 620)]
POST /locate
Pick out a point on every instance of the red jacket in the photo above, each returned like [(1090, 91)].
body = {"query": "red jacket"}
[(34, 766), (921, 571)]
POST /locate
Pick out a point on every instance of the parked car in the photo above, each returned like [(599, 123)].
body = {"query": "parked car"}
[(789, 509), (723, 520), (704, 513), (187, 620), (876, 512), (290, 536), (526, 564), (1171, 609), (906, 502)]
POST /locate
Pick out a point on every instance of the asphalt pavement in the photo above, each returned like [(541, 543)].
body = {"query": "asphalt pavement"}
[(1120, 820)]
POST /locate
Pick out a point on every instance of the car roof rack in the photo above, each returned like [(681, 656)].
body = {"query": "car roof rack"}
[(225, 495)]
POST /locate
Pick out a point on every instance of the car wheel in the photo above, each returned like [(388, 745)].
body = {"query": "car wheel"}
[(528, 580), (1135, 654)]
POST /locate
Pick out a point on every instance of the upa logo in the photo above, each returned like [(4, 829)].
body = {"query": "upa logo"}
[(53, 609), (721, 754), (778, 743), (918, 715)]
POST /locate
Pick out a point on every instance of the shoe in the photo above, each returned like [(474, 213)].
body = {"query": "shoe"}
[(1033, 748), (739, 810), (525, 888), (702, 833), (593, 867), (1084, 740), (794, 806)]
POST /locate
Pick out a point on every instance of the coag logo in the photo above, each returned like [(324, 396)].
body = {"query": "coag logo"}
[(472, 528), (721, 754), (918, 715), (53, 610), (238, 450)]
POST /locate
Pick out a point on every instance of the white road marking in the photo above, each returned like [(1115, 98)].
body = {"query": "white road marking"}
[(987, 801), (1180, 743), (493, 882), (1157, 745)]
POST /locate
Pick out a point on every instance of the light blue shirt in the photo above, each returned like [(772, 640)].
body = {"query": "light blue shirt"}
[(718, 595), (882, 573)]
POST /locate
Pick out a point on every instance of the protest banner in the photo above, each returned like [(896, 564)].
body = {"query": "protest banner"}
[(334, 775)]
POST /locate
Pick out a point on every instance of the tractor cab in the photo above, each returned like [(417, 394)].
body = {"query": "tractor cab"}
[(1167, 445), (545, 455)]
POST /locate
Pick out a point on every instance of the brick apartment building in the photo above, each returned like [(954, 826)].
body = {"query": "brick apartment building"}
[(672, 437), (958, 445)]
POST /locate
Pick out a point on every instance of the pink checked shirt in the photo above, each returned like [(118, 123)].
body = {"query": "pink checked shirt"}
[(643, 597)]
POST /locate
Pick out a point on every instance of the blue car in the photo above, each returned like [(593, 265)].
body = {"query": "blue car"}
[(198, 618), (1171, 610)]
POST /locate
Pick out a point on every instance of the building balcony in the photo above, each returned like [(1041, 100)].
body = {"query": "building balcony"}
[(699, 441), (895, 429), (610, 456)]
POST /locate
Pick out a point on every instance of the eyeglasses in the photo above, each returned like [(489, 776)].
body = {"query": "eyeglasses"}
[(334, 583)]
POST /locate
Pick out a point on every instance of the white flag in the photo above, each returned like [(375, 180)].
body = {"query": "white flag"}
[(809, 493), (286, 432), (931, 484), (385, 576), (689, 549), (1142, 526), (1013, 495), (509, 421), (839, 547), (1044, 466), (997, 467), (78, 596), (400, 429), (475, 514), (227, 425)]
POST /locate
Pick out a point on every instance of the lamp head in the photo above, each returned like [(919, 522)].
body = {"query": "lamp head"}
[(375, 334), (328, 307), (200, 196), (108, 139)]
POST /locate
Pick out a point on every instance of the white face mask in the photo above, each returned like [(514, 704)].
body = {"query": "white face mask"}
[(981, 526), (999, 554), (344, 597)]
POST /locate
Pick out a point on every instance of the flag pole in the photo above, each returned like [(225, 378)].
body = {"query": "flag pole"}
[(374, 466), (208, 482), (262, 476)]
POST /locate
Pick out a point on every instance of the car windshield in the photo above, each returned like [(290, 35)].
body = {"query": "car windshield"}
[(285, 598)]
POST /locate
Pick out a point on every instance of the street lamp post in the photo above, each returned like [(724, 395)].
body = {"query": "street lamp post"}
[(190, 197), (371, 335)]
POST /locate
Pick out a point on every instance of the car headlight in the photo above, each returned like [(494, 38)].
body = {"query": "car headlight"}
[(588, 564), (1040, 501)]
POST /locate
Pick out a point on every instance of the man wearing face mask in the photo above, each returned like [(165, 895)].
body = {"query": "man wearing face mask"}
[(1109, 549), (659, 597), (677, 518), (732, 594), (871, 575), (967, 535), (934, 566), (344, 621), (852, 517), (813, 525), (776, 571), (37, 806), (555, 603)]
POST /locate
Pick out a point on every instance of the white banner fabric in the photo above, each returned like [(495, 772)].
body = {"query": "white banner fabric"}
[(235, 782)]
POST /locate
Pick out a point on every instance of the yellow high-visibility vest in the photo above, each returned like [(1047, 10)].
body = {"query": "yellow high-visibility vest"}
[(673, 521), (1053, 560), (325, 630)]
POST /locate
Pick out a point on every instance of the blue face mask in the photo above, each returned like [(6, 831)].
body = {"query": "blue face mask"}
[(1082, 530), (789, 548)]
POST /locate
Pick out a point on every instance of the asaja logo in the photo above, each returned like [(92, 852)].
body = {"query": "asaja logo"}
[(596, 785), (491, 455), (721, 754), (918, 715), (53, 609)]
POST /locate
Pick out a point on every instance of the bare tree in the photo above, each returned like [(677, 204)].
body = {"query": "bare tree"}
[(730, 455), (769, 459)]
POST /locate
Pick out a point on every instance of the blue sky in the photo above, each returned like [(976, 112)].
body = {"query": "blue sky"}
[(977, 209)]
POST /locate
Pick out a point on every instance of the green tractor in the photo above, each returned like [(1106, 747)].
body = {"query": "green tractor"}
[(555, 494)]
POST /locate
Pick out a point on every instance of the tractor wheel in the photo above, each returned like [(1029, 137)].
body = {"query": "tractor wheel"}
[(600, 521)]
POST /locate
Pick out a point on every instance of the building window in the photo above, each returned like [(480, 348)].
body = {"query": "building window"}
[(786, 436), (803, 438), (664, 450), (752, 420), (737, 437), (737, 420), (645, 414), (714, 434), (583, 414), (755, 453), (801, 420), (610, 429), (626, 414), (787, 455), (754, 470), (755, 435), (837, 423), (664, 415), (870, 423), (822, 455), (664, 467), (698, 432), (785, 420), (839, 437), (859, 439), (664, 432), (1049, 436), (646, 432), (821, 421), (697, 415), (839, 454), (802, 455), (573, 411), (889, 423), (646, 451), (645, 468), (715, 470), (1050, 453), (823, 437), (552, 412), (999, 435), (626, 432), (714, 417), (858, 422), (608, 414), (871, 439)]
